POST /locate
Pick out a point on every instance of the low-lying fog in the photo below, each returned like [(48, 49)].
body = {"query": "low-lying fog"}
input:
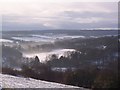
[(28, 40), (34, 39)]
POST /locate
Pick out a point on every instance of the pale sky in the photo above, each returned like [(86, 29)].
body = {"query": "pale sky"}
[(58, 14)]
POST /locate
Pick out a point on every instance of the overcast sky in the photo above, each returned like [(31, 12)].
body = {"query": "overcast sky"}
[(36, 15)]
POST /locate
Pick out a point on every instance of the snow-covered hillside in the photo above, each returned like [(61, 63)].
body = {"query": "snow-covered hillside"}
[(8, 81)]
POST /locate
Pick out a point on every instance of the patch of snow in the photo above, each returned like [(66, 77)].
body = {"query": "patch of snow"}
[(6, 40), (42, 56), (33, 39), (9, 81), (46, 38), (93, 37), (59, 69)]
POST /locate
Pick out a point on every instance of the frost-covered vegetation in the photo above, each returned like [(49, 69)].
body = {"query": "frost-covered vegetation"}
[(9, 81)]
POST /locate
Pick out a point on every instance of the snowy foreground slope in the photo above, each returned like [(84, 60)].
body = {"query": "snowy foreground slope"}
[(8, 81)]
